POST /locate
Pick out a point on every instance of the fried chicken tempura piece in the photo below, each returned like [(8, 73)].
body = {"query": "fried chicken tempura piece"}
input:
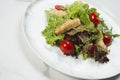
[(58, 12), (101, 44), (69, 24)]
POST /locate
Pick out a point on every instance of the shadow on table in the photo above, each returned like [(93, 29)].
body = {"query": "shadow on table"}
[(113, 78)]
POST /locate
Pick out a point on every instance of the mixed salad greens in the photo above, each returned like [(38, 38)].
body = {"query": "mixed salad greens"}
[(78, 30)]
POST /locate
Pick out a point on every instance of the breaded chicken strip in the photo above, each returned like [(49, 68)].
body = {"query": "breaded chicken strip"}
[(71, 23), (101, 44), (58, 12)]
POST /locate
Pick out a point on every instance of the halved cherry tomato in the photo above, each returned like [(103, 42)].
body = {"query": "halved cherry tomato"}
[(58, 7), (107, 39), (91, 49), (66, 47), (93, 18)]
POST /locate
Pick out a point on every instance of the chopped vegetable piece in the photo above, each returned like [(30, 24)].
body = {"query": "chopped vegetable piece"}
[(91, 48), (59, 7), (66, 47), (107, 39), (93, 18)]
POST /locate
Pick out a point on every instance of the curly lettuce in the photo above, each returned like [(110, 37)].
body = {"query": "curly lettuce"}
[(81, 10), (48, 32)]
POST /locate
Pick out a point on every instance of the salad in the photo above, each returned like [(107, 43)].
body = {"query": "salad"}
[(78, 30)]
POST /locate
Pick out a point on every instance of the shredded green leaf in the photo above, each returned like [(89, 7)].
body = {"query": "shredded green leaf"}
[(115, 35), (80, 10), (48, 32), (84, 55)]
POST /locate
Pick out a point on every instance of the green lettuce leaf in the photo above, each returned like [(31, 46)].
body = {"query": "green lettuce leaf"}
[(48, 32), (80, 10)]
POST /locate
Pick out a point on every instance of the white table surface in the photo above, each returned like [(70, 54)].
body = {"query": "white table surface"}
[(17, 61)]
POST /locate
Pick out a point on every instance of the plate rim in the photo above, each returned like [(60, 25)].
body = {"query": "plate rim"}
[(36, 53)]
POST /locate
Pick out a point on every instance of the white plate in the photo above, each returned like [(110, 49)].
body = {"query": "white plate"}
[(35, 22)]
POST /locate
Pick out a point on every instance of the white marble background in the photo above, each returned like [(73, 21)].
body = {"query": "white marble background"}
[(17, 61)]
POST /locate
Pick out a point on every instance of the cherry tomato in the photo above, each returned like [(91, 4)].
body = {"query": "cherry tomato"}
[(58, 7), (66, 47), (107, 39), (91, 49), (93, 18)]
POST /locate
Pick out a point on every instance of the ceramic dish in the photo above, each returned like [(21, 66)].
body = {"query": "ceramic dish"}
[(35, 22)]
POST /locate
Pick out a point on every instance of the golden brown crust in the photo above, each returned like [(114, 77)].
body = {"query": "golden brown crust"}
[(71, 23), (101, 44), (58, 12)]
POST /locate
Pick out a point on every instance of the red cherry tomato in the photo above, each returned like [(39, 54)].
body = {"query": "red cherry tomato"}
[(66, 47), (107, 39), (58, 7), (91, 49), (93, 18)]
